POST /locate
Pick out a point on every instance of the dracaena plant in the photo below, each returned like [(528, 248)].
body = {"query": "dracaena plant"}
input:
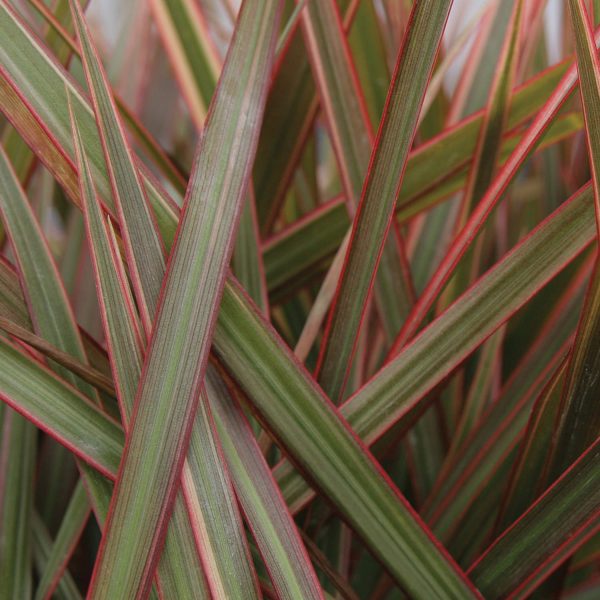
[(299, 299)]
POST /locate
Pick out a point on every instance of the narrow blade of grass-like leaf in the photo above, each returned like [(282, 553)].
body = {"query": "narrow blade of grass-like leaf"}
[(197, 67), (192, 55), (300, 480), (44, 293), (552, 239), (14, 145), (127, 353), (488, 148), (66, 588), (143, 245), (289, 113), (352, 139), (33, 390), (567, 507), (88, 374), (532, 289), (55, 406), (343, 588), (450, 55), (17, 471), (79, 426), (118, 312), (545, 577), (368, 53), (208, 490), (321, 304), (481, 387), (573, 234), (13, 305), (340, 93), (528, 475), (141, 135), (66, 415), (45, 91), (176, 360), (296, 255), (495, 118), (74, 520), (267, 515), (71, 419), (247, 261), (380, 190), (579, 420), (13, 309)]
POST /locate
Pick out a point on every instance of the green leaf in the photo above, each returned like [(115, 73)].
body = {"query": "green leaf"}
[(579, 412), (380, 191), (495, 117), (469, 468), (290, 110), (15, 147), (49, 306), (213, 506), (44, 89), (141, 135), (247, 260), (17, 472), (196, 65), (176, 359), (143, 246), (481, 387), (121, 324), (352, 139), (340, 93), (488, 150), (565, 509), (462, 243), (54, 405), (66, 588), (14, 308), (88, 374), (15, 316), (46, 84), (528, 476), (74, 520), (267, 515), (368, 53)]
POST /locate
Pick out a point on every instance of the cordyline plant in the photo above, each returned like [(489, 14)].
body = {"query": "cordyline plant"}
[(299, 299)]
